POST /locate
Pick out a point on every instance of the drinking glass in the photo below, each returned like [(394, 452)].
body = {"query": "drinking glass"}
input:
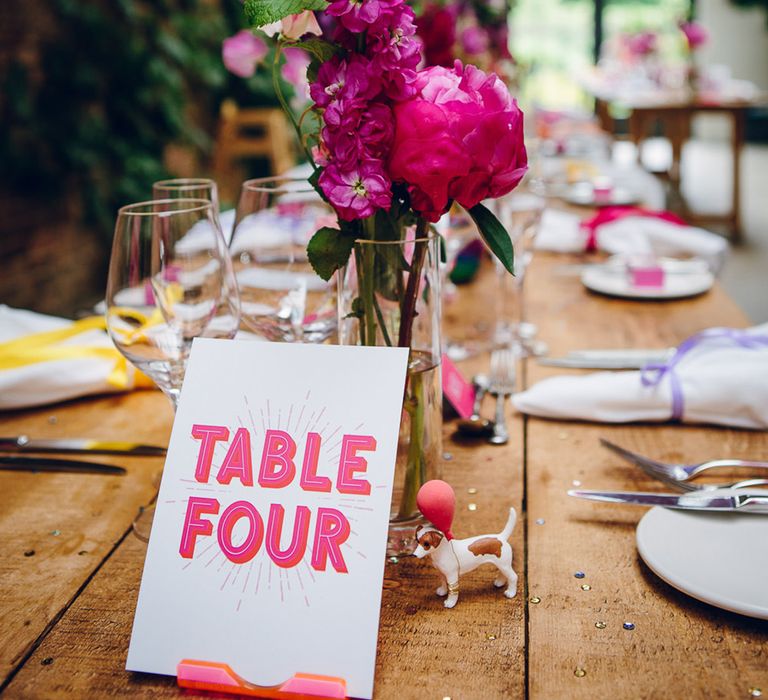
[(282, 297), (520, 212), (187, 188), (165, 283), (226, 321)]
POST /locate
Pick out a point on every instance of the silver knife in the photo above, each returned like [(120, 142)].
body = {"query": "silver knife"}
[(43, 464), (608, 359), (716, 500), (23, 443)]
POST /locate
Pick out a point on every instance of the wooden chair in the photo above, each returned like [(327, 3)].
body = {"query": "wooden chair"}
[(255, 132)]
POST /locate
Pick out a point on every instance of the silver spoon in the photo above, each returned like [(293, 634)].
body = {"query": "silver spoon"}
[(476, 425)]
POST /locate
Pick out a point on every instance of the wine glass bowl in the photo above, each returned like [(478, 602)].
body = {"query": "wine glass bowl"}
[(165, 283), (282, 297), (520, 212), (226, 321)]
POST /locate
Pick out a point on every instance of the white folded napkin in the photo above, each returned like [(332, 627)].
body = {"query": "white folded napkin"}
[(44, 359), (720, 382), (561, 232), (646, 234)]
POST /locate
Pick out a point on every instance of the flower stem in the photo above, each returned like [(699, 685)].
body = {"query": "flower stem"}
[(408, 302), (415, 469), (286, 108)]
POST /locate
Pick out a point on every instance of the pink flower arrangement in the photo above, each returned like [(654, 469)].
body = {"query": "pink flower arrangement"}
[(695, 34), (394, 140)]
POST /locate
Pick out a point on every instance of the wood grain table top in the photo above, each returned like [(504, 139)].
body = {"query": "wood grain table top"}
[(70, 563)]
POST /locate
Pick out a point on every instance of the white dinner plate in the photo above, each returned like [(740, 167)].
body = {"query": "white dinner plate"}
[(718, 558), (616, 283)]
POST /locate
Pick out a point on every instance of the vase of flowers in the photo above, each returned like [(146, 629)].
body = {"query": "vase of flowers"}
[(389, 294), (392, 148)]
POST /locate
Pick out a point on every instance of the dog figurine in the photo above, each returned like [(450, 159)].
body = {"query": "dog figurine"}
[(453, 557)]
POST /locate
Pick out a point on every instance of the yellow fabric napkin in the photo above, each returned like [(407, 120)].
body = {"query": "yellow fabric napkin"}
[(44, 359)]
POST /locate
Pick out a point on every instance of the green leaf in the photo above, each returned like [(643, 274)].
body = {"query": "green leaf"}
[(261, 12), (494, 235), (328, 250), (317, 48)]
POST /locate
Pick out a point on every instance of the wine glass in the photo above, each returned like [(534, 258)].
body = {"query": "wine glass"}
[(226, 321), (520, 212), (187, 188), (165, 282), (282, 297)]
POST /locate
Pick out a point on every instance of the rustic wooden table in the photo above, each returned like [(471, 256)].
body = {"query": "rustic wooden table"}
[(70, 564)]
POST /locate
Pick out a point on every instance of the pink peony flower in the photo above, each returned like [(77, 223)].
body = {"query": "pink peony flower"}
[(359, 192), (294, 26), (243, 52), (460, 137), (695, 34)]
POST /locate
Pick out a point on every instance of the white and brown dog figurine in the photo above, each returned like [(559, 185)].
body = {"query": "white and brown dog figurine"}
[(455, 557)]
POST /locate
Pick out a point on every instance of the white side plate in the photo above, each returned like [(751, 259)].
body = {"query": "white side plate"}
[(718, 558), (617, 284)]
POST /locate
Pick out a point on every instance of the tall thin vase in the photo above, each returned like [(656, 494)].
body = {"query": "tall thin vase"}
[(389, 294)]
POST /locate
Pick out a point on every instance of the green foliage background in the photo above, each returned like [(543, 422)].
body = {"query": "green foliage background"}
[(119, 80)]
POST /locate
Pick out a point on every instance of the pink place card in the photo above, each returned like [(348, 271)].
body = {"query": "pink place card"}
[(266, 559), (459, 392), (651, 275)]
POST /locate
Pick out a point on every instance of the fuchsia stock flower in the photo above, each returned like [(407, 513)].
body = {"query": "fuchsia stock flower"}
[(355, 92), (460, 137), (357, 192), (695, 34), (243, 52), (359, 15)]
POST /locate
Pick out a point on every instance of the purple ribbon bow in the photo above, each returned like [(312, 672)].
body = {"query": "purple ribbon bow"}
[(653, 372)]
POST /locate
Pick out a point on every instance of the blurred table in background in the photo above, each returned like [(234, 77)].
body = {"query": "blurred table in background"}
[(673, 110)]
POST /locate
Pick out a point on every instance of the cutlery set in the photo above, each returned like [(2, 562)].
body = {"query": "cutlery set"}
[(741, 496), (24, 444), (499, 384)]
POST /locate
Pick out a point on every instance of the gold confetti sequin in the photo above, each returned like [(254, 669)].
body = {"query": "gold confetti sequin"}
[(535, 600), (472, 506), (586, 587), (471, 490), (579, 672)]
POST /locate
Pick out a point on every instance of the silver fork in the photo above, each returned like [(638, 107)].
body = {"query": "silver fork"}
[(689, 486), (678, 473), (501, 385)]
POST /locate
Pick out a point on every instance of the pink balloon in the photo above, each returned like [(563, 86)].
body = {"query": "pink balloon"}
[(437, 503)]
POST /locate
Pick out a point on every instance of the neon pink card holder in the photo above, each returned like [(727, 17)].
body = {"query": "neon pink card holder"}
[(220, 678)]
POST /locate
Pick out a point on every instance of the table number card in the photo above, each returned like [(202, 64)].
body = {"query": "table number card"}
[(268, 542)]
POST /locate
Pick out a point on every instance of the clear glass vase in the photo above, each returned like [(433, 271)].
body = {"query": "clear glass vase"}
[(389, 294)]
